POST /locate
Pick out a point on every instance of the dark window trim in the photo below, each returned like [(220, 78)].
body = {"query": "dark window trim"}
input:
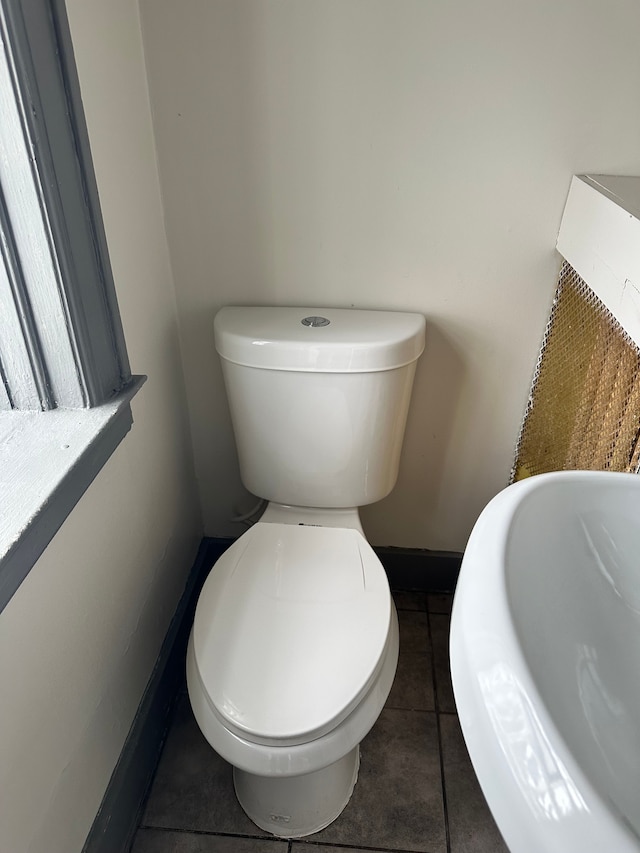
[(65, 386), (49, 459), (65, 197)]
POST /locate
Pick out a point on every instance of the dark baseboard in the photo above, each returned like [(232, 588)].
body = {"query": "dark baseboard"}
[(119, 814), (421, 570)]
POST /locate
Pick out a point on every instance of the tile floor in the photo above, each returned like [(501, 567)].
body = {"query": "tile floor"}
[(416, 788)]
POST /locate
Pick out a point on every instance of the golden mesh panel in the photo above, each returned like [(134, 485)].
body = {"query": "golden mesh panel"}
[(584, 406)]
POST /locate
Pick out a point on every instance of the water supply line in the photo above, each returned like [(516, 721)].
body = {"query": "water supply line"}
[(250, 518)]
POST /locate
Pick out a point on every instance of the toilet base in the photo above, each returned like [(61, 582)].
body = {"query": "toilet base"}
[(294, 806)]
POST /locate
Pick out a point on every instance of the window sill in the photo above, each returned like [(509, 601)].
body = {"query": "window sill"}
[(47, 461)]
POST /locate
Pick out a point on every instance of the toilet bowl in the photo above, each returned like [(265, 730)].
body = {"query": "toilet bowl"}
[(291, 658), (294, 644)]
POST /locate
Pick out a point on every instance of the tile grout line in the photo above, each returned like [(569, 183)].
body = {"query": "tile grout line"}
[(334, 845), (425, 609), (425, 596), (182, 830), (439, 733)]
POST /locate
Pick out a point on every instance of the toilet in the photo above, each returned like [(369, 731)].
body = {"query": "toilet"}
[(294, 644)]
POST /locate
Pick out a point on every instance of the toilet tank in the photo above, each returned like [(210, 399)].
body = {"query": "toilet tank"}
[(319, 399)]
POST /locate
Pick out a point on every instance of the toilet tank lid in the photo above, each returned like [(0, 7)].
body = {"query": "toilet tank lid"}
[(352, 341)]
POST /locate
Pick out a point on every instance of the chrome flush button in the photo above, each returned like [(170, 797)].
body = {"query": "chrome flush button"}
[(315, 321)]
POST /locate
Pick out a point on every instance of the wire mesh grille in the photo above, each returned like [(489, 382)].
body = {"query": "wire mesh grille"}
[(584, 406)]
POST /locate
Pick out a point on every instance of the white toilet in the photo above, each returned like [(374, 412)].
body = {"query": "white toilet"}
[(295, 639)]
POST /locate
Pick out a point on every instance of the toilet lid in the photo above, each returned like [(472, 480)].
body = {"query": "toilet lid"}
[(290, 630)]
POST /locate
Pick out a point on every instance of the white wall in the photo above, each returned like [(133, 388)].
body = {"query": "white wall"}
[(79, 639), (391, 154)]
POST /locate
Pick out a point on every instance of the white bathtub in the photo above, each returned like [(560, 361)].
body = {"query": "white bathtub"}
[(545, 660)]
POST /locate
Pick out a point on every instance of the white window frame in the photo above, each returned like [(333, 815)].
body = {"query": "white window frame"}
[(65, 382)]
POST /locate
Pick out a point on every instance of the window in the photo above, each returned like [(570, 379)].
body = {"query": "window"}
[(65, 382)]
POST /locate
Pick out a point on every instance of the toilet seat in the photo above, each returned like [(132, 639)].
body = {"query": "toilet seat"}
[(290, 631)]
